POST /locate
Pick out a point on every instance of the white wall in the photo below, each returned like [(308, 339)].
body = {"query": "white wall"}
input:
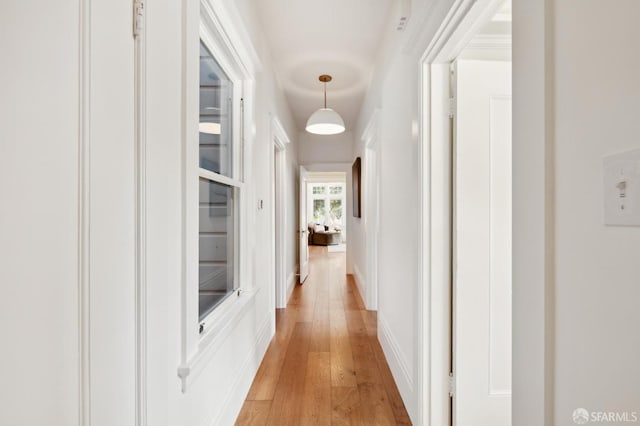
[(571, 108), (39, 213), (597, 285), (532, 396), (325, 149)]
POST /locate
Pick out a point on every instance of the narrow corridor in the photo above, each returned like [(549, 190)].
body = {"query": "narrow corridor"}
[(325, 364)]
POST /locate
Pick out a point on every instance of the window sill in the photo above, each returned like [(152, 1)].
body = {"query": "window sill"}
[(211, 341)]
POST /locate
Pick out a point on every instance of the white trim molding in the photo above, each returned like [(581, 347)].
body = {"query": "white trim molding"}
[(84, 215), (279, 135), (371, 191), (280, 140), (232, 404), (140, 64), (490, 42), (214, 339), (396, 358), (226, 26), (360, 281), (460, 25), (291, 283), (371, 132), (457, 29)]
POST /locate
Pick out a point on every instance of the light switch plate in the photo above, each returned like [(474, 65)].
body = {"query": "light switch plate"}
[(622, 189)]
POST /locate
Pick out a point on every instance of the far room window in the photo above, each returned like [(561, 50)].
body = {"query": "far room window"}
[(219, 187), (327, 204), (318, 189)]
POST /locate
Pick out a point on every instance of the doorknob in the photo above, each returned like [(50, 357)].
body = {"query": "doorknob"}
[(303, 231)]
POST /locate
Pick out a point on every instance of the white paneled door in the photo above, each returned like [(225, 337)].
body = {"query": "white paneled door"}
[(482, 236), (302, 231)]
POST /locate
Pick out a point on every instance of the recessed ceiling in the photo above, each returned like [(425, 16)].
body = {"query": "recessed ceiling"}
[(337, 37)]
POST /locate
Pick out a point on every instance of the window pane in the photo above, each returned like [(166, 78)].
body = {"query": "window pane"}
[(318, 189), (335, 209), (216, 280), (216, 97), (318, 211), (335, 190)]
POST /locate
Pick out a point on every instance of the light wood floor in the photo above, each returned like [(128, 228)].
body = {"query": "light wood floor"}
[(324, 366)]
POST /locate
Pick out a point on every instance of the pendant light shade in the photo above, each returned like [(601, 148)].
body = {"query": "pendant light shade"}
[(325, 121)]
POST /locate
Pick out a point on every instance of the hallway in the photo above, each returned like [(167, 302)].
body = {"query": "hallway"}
[(324, 365)]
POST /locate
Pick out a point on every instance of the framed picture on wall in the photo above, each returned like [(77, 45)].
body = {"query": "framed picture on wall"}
[(355, 178)]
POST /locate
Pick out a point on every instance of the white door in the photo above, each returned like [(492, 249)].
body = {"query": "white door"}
[(482, 236), (303, 234)]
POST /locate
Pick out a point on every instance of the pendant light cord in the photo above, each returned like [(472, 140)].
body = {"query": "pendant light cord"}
[(325, 95)]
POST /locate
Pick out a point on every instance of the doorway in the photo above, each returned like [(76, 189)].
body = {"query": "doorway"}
[(326, 210), (324, 205), (467, 107), (371, 210), (279, 215)]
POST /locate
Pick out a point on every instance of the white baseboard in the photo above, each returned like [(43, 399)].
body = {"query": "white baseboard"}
[(291, 283), (359, 278), (397, 362), (231, 406)]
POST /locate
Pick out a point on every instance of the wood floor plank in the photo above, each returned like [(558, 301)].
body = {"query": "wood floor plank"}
[(305, 313), (342, 369), (370, 319), (364, 361), (285, 409), (325, 364), (254, 413), (266, 380), (352, 299), (345, 406), (316, 399), (321, 330), (376, 409), (355, 323)]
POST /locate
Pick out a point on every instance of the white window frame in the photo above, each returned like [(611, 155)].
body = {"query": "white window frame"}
[(327, 197), (235, 181), (232, 49)]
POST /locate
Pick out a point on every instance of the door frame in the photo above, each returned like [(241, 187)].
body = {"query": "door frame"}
[(278, 213), (370, 138), (437, 186)]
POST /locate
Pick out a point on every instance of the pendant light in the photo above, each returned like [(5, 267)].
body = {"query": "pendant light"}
[(325, 121)]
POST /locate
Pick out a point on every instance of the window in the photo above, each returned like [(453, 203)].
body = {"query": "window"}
[(318, 190), (219, 73), (327, 201), (335, 209), (219, 187), (216, 102), (318, 211), (335, 190)]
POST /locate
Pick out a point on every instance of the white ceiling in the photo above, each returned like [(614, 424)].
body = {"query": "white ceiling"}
[(337, 37)]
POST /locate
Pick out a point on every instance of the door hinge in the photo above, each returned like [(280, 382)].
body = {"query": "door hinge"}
[(452, 107), (452, 385), (138, 17)]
